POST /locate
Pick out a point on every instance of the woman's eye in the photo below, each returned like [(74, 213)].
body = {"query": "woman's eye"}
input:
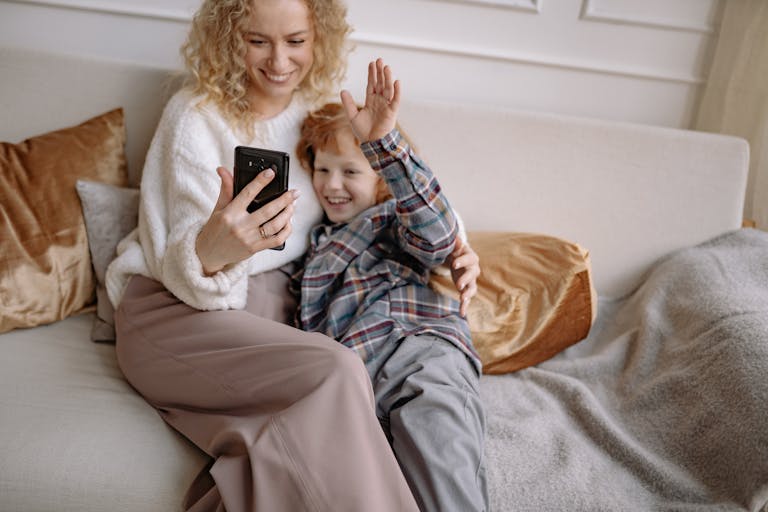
[(257, 42), (322, 170), (296, 42)]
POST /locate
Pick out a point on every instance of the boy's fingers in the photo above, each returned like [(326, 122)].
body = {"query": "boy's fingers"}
[(388, 85), (395, 102), (349, 104), (371, 77)]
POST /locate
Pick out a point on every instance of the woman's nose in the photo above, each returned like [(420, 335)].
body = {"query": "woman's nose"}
[(278, 59)]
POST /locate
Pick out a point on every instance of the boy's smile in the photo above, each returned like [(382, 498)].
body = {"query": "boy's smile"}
[(344, 182)]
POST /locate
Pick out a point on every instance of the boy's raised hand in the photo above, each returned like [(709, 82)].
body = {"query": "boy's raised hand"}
[(382, 101)]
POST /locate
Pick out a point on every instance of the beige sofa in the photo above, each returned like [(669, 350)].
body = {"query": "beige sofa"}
[(620, 421)]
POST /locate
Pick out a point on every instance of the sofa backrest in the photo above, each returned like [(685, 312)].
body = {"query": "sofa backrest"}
[(630, 194), (40, 92)]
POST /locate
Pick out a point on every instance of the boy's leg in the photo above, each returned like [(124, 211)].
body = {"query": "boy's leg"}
[(428, 401), (287, 416)]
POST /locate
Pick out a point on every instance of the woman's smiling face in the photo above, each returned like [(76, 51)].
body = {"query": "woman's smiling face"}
[(280, 41)]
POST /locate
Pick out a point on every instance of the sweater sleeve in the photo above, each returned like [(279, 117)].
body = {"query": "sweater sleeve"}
[(427, 227), (179, 190)]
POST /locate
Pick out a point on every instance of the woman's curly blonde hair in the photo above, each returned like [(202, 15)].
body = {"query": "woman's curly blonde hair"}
[(215, 52)]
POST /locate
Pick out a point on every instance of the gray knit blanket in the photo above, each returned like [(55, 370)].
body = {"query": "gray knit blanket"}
[(664, 407)]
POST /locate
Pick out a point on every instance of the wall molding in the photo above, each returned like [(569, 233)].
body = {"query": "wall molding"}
[(503, 56), (532, 6), (401, 43), (176, 14), (113, 7), (592, 12)]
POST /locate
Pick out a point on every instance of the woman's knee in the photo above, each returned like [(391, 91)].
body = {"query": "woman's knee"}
[(343, 361), (345, 367)]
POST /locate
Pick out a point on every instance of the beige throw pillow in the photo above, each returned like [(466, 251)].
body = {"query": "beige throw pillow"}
[(45, 268), (535, 298)]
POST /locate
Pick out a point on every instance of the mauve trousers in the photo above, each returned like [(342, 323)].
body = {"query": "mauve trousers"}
[(287, 416)]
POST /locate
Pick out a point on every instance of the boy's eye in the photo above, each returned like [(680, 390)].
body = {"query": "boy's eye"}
[(350, 172), (322, 170)]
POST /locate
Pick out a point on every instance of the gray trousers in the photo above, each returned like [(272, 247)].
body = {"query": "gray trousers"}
[(287, 416), (428, 403)]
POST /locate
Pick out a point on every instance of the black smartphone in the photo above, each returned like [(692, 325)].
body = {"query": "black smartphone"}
[(249, 162)]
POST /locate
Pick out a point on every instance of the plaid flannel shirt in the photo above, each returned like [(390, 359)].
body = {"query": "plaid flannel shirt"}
[(365, 283)]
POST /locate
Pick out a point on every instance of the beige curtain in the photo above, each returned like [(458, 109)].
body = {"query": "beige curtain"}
[(735, 98)]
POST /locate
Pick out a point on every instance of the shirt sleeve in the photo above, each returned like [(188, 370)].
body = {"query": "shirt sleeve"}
[(179, 191), (427, 227)]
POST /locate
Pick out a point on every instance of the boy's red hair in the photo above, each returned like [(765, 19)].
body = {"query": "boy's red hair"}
[(320, 131)]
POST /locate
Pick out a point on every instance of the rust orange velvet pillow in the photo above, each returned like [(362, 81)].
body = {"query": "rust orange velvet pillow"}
[(535, 298), (45, 267)]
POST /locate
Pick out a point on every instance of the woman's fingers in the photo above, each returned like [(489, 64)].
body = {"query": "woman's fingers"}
[(465, 297), (284, 230), (252, 189), (227, 185), (277, 223), (273, 208), (465, 269)]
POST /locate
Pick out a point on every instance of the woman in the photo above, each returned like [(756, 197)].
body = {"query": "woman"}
[(287, 416)]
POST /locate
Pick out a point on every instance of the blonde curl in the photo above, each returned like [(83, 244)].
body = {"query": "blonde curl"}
[(215, 51)]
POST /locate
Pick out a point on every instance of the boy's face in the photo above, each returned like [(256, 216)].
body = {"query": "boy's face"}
[(345, 183)]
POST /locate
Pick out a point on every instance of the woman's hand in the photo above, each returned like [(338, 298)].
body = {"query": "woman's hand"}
[(382, 101), (231, 234), (465, 269)]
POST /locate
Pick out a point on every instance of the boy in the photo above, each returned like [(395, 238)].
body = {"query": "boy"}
[(364, 283)]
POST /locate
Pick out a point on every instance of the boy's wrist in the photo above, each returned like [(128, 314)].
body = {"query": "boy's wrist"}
[(384, 150), (384, 145)]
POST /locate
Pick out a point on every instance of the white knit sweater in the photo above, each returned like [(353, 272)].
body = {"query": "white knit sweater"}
[(179, 189)]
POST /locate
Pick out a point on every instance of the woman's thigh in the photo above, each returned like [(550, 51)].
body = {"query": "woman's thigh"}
[(175, 355)]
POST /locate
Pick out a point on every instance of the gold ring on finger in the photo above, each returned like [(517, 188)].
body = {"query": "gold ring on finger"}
[(263, 233)]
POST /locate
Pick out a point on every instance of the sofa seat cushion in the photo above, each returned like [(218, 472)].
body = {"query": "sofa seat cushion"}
[(75, 436)]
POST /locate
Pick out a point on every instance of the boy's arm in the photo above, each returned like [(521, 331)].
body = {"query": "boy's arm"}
[(427, 226)]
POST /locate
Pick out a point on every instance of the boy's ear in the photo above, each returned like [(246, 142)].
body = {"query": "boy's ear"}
[(306, 157), (310, 158), (382, 191)]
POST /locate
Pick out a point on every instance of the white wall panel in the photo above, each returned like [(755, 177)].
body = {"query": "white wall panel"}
[(641, 61), (523, 5), (689, 15), (96, 28)]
